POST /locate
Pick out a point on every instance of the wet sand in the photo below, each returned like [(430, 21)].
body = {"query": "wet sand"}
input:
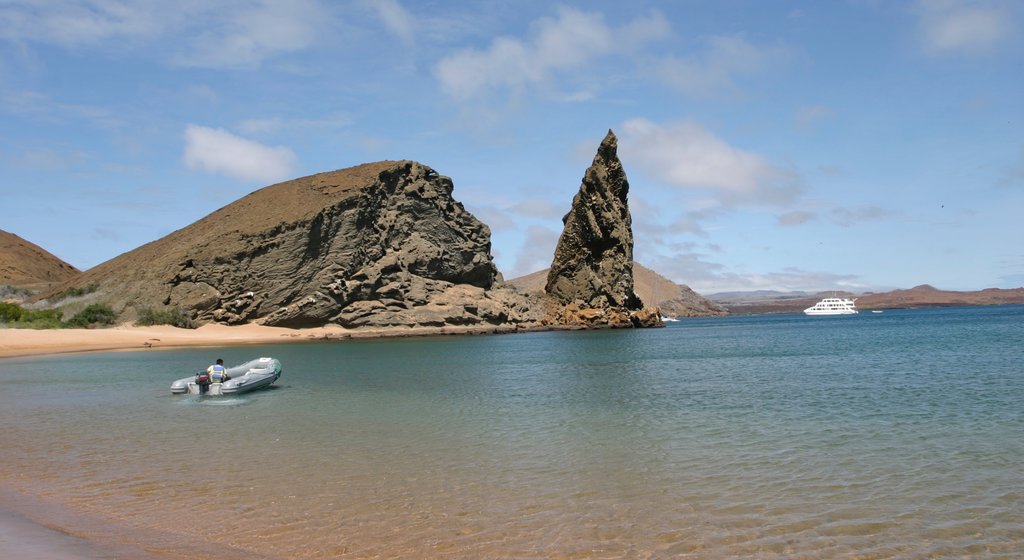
[(28, 342)]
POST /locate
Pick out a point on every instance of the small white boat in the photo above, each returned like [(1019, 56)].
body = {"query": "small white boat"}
[(667, 319), (833, 306), (254, 374)]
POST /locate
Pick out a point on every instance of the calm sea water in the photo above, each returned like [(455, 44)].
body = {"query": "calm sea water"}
[(894, 435)]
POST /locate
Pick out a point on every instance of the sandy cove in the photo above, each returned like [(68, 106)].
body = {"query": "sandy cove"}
[(29, 342)]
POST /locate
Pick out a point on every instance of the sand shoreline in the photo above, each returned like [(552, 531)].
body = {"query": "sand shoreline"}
[(28, 342)]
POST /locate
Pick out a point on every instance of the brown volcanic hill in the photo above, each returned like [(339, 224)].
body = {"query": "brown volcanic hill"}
[(928, 296), (919, 296), (378, 244), (672, 299), (25, 264)]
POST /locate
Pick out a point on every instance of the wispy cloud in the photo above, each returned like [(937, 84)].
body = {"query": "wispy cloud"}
[(716, 70), (536, 251), (686, 154), (567, 42), (247, 36), (241, 33), (215, 150), (80, 23), (271, 125), (955, 26), (395, 18), (698, 269)]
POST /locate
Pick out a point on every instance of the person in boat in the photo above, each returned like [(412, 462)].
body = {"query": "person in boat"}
[(217, 372)]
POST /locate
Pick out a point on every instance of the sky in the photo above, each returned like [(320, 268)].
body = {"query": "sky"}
[(859, 145)]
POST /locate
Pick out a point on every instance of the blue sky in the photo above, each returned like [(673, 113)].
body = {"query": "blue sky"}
[(860, 145)]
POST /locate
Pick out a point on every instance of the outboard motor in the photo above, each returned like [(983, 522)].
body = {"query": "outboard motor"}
[(203, 381)]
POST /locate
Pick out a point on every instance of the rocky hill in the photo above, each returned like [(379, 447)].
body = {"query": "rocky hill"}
[(380, 244), (674, 300), (25, 264)]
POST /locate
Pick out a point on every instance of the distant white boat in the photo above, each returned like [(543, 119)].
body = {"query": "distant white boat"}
[(833, 306), (876, 311), (667, 319)]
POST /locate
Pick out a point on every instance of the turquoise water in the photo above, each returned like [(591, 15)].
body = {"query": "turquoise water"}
[(894, 435)]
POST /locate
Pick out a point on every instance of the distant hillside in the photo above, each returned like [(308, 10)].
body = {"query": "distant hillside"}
[(654, 289), (919, 296), (25, 264)]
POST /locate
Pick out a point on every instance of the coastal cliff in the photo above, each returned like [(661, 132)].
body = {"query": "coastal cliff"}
[(376, 245)]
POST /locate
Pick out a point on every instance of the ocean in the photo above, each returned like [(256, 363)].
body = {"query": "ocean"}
[(892, 435)]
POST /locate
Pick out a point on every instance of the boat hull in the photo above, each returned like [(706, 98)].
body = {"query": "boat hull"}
[(830, 312), (250, 376)]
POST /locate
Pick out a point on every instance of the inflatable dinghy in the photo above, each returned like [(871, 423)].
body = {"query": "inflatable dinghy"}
[(243, 378)]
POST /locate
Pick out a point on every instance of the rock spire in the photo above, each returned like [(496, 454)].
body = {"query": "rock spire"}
[(591, 276)]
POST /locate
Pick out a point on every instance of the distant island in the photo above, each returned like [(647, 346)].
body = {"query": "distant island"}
[(755, 303)]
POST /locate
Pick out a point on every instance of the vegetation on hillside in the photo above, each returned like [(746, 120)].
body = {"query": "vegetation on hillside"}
[(95, 315), (75, 292), (173, 316)]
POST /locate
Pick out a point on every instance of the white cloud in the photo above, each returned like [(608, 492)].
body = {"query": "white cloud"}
[(75, 23), (690, 266), (246, 35), (236, 33), (536, 252), (215, 150), (957, 26), (539, 208), (394, 17), (562, 44), (685, 154), (715, 71)]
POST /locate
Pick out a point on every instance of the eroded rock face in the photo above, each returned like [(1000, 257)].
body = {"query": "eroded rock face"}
[(385, 257), (376, 245), (591, 276)]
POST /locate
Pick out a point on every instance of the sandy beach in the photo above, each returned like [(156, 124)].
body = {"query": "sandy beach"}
[(28, 342)]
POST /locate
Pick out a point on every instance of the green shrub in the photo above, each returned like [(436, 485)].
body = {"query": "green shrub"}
[(75, 292), (93, 315), (17, 316), (10, 312), (173, 316)]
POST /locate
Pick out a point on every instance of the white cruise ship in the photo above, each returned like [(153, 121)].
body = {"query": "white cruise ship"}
[(833, 306)]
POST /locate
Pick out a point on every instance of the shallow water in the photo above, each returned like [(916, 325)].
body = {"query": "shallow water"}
[(894, 435)]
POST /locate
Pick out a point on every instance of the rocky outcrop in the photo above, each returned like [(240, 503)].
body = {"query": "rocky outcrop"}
[(591, 276), (376, 245)]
